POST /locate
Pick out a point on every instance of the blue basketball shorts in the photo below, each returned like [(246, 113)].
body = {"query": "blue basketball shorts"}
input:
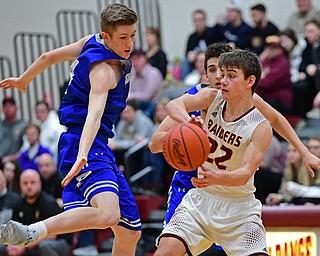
[(179, 186), (100, 174)]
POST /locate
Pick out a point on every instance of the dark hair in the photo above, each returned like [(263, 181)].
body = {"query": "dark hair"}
[(291, 34), (214, 51), (247, 61), (42, 102), (133, 103), (8, 99), (313, 21), (259, 7), (201, 12)]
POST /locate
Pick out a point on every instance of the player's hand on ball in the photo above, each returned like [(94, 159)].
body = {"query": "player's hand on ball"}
[(199, 122)]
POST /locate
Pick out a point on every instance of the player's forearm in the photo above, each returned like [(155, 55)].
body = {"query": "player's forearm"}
[(177, 111), (156, 141), (283, 127), (89, 132), (37, 67)]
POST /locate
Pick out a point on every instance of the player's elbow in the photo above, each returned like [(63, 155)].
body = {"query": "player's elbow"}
[(47, 58)]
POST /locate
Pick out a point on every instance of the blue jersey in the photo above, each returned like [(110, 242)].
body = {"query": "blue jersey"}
[(101, 173), (74, 107)]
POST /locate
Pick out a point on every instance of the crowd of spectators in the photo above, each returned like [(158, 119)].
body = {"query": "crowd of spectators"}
[(290, 83)]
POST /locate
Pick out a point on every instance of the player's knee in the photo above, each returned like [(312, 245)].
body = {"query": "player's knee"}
[(108, 219)]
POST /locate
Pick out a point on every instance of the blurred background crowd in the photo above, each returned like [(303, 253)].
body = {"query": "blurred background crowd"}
[(290, 57)]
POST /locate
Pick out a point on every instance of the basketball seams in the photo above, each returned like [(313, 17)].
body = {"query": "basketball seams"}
[(184, 143), (169, 146), (204, 158), (182, 149)]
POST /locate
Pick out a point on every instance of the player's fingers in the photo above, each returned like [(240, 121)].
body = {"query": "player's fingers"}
[(310, 171)]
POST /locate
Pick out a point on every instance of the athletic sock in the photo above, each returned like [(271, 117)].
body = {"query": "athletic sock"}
[(40, 227)]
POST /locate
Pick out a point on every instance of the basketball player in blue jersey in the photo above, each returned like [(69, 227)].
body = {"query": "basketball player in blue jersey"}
[(96, 194)]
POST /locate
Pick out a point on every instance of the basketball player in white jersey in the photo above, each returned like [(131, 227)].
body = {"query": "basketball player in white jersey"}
[(222, 208)]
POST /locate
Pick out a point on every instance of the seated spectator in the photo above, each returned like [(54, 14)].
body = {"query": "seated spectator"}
[(36, 206), (146, 82), (133, 127), (268, 178), (197, 41), (50, 177), (295, 174), (309, 74), (307, 194), (12, 171), (275, 84), (289, 43), (197, 76), (9, 202), (236, 31), (156, 56), (29, 158), (11, 131), (306, 11), (50, 126), (262, 28)]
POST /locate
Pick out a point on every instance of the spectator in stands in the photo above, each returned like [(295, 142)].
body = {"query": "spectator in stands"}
[(156, 56), (28, 158), (36, 206), (50, 126), (51, 184), (146, 82), (196, 76), (295, 173), (275, 84), (289, 43), (307, 194), (268, 178), (306, 11), (50, 177), (11, 131), (309, 67), (198, 40), (134, 126), (12, 171), (262, 28), (9, 202), (236, 32)]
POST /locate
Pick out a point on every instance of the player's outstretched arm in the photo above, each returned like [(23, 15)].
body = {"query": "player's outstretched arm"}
[(65, 53), (103, 77), (283, 127)]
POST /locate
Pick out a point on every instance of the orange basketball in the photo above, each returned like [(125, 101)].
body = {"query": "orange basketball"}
[(186, 146)]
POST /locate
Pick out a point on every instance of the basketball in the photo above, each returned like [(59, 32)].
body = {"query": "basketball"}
[(186, 146)]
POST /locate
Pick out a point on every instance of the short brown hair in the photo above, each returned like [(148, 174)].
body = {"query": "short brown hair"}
[(115, 15)]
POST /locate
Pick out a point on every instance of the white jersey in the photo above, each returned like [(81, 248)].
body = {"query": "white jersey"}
[(229, 140)]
